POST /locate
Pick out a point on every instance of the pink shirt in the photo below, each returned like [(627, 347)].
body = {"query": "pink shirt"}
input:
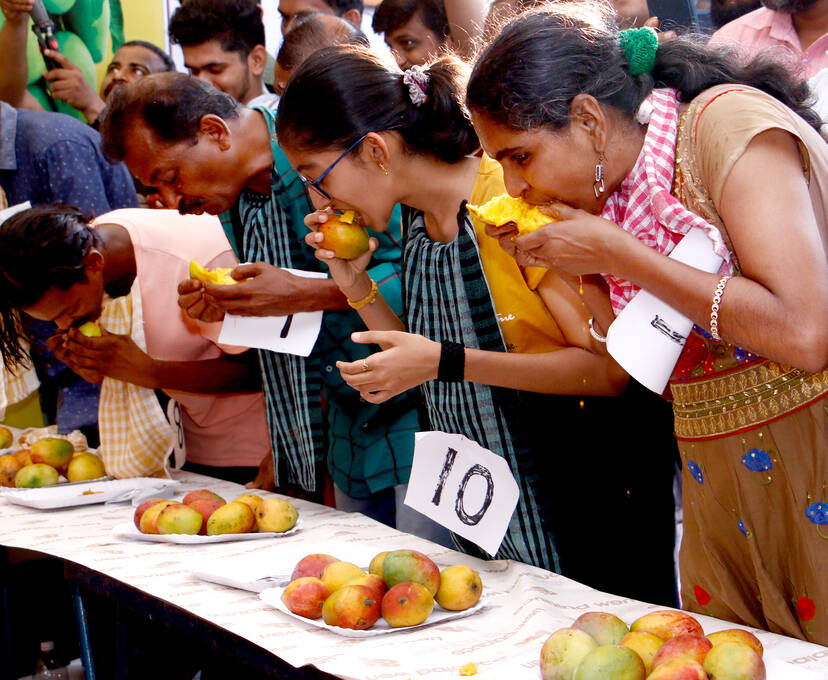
[(764, 31), (221, 430)]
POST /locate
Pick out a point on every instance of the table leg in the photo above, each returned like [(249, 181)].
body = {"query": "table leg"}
[(83, 633)]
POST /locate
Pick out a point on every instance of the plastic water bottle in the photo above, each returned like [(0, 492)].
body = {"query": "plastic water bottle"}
[(47, 666)]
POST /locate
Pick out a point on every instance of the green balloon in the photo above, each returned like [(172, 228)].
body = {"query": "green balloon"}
[(38, 91), (72, 46), (58, 6), (90, 20), (33, 57)]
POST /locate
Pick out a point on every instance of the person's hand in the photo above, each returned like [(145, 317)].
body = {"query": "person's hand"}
[(110, 355), (57, 344), (70, 85), (264, 477), (579, 243), (191, 300), (409, 361), (505, 235), (663, 36), (263, 290), (346, 273), (16, 11)]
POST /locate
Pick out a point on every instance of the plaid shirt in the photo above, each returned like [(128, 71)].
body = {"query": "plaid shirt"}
[(644, 206), (369, 447), (136, 438)]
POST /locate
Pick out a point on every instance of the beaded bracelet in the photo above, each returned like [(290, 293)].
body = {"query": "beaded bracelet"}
[(714, 309), (368, 299), (595, 334)]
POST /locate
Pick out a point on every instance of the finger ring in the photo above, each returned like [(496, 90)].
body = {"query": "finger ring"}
[(365, 365)]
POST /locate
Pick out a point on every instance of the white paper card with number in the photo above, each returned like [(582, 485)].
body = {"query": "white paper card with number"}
[(462, 486), (294, 334)]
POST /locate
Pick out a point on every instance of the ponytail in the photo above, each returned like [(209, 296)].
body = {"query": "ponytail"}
[(342, 92), (529, 74)]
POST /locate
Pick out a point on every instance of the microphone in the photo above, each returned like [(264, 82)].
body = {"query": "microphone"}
[(44, 29)]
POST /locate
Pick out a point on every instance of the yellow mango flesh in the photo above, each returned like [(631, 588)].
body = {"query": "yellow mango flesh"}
[(220, 276), (502, 209)]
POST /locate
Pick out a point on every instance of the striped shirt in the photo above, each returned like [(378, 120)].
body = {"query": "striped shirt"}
[(368, 447)]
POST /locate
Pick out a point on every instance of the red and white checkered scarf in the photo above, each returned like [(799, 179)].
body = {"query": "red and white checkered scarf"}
[(643, 205)]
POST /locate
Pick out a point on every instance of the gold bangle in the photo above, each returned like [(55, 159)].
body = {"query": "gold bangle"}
[(368, 299)]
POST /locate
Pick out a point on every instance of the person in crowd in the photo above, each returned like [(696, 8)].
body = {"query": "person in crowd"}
[(60, 266), (684, 138), (224, 45), (132, 60), (237, 169), (794, 31), (502, 355), (724, 11), (310, 33), (290, 10), (48, 157), (416, 31)]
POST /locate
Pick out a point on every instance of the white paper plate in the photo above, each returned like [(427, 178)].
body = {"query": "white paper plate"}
[(273, 597), (129, 530), (102, 490)]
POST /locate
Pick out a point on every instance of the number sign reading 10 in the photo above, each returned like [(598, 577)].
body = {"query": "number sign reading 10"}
[(464, 487)]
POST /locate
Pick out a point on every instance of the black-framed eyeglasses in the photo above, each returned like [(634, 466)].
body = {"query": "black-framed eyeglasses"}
[(314, 183)]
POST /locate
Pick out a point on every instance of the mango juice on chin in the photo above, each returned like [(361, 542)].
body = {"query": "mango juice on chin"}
[(219, 276), (503, 209), (344, 235)]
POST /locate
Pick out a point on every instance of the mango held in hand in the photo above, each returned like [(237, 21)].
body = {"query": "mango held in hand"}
[(344, 236), (219, 276), (90, 329), (85, 466), (275, 514), (52, 451), (503, 209), (460, 588)]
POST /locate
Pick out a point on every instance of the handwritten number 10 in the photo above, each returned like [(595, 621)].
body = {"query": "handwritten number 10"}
[(459, 507)]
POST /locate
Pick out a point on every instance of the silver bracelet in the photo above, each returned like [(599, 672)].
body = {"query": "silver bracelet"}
[(595, 334), (714, 309)]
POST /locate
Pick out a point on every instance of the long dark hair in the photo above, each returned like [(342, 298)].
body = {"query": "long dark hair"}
[(40, 248), (342, 92), (529, 74)]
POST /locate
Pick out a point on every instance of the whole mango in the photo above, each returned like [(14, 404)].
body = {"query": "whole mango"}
[(407, 604), (233, 518), (305, 596), (85, 466), (6, 438), (276, 514), (9, 467), (351, 607), (52, 451), (400, 566), (460, 588), (35, 475)]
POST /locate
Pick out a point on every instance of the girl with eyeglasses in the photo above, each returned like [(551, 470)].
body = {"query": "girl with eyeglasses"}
[(502, 354)]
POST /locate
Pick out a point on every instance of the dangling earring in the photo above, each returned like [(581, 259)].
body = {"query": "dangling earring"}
[(598, 184), (383, 168)]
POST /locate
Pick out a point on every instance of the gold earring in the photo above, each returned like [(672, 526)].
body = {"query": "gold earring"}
[(383, 168)]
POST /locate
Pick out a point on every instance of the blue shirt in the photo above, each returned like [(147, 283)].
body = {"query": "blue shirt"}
[(47, 157)]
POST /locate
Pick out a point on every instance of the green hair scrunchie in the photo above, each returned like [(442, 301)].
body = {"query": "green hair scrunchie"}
[(639, 46)]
